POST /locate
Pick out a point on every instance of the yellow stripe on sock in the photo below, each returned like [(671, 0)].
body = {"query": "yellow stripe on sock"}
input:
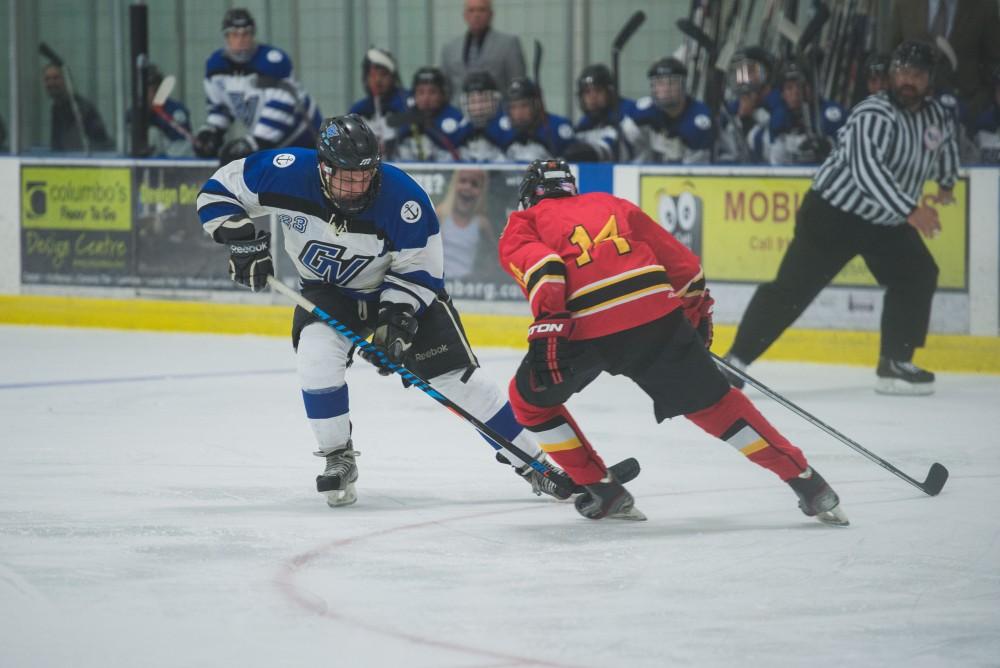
[(558, 447), (756, 446)]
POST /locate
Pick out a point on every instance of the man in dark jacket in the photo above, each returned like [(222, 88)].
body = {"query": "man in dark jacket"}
[(67, 117)]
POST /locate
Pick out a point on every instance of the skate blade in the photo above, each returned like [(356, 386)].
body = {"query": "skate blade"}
[(901, 388), (632, 513), (341, 497), (834, 517)]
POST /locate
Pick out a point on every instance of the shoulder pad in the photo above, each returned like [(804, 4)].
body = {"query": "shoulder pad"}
[(271, 61), (702, 122), (948, 100), (833, 113), (216, 63), (565, 130), (644, 103), (505, 123)]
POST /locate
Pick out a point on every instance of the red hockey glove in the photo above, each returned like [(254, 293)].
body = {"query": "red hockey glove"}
[(699, 312), (550, 352)]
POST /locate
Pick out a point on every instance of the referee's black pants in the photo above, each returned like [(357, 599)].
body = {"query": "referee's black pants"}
[(825, 240)]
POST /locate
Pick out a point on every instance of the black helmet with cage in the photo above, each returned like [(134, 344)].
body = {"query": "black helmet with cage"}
[(549, 177), (598, 77), (238, 18), (667, 77), (524, 91), (480, 98), (348, 154), (750, 70), (431, 76)]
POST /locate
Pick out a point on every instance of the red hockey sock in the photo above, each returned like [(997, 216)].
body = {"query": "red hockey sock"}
[(738, 422), (559, 436)]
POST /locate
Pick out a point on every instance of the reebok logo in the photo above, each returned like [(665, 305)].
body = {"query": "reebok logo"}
[(545, 328), (443, 348), (248, 250)]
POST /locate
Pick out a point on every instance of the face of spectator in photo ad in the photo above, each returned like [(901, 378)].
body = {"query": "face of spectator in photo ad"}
[(468, 190)]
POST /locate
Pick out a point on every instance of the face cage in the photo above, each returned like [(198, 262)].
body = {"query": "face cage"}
[(353, 203), (536, 114), (747, 76), (244, 55), (667, 90), (481, 106)]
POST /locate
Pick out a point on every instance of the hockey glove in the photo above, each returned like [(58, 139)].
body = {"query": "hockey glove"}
[(550, 351), (237, 148), (698, 311), (250, 261), (207, 142), (397, 325)]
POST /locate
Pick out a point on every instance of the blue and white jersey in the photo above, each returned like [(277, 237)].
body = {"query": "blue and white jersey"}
[(263, 96), (785, 140), (390, 252), (550, 138), (436, 140), (658, 138), (605, 134), (481, 144), (376, 112)]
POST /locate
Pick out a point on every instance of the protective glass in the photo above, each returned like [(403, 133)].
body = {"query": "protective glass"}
[(747, 76)]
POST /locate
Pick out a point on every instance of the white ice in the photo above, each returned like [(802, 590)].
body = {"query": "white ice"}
[(158, 508)]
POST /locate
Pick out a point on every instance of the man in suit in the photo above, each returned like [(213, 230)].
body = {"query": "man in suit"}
[(970, 26), (482, 48)]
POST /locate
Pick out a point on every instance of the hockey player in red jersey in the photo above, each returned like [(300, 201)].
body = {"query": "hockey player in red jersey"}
[(613, 291)]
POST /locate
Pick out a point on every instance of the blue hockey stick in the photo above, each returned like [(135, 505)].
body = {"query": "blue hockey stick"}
[(495, 438)]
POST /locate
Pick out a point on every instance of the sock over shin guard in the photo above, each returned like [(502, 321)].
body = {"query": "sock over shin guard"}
[(737, 421), (559, 436)]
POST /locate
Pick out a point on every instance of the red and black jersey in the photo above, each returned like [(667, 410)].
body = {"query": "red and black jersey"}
[(602, 259)]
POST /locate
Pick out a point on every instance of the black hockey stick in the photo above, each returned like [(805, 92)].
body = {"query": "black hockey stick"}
[(537, 65), (936, 477), (623, 36)]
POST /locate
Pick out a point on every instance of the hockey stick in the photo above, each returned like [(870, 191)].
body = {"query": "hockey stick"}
[(623, 36), (159, 99), (537, 65), (936, 476), (496, 439)]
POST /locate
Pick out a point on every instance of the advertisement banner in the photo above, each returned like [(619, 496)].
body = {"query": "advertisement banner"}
[(741, 225), (472, 205), (76, 225), (172, 251)]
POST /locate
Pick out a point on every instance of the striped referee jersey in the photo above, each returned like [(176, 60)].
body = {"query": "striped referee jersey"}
[(883, 156)]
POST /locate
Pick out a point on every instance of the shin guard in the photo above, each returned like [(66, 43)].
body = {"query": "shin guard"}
[(735, 420), (559, 436)]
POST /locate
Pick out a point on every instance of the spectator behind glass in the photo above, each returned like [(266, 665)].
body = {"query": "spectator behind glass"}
[(468, 239), (972, 27), (482, 48), (65, 133)]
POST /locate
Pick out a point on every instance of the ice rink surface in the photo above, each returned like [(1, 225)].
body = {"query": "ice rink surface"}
[(158, 508)]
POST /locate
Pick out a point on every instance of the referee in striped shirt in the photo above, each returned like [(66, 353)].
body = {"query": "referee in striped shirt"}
[(865, 200)]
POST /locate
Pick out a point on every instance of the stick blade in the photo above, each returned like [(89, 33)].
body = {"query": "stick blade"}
[(936, 478), (164, 90)]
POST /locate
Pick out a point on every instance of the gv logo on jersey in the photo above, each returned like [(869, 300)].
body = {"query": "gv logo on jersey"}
[(244, 109), (328, 262)]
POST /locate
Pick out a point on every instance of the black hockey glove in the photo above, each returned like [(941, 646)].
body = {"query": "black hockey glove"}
[(815, 148), (207, 142), (250, 261), (551, 354), (397, 325), (237, 148)]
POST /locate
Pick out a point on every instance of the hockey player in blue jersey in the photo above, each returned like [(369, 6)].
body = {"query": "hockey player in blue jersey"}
[(796, 132), (252, 83), (480, 138), (366, 243), (598, 132), (669, 126), (430, 130), (384, 94), (528, 131)]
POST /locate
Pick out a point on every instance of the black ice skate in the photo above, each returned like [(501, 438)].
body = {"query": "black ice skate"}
[(902, 378), (556, 484), (733, 379), (607, 498), (337, 481), (817, 499)]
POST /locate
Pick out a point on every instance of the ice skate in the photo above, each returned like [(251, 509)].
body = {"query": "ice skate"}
[(903, 378), (337, 481), (817, 499), (733, 379), (557, 484), (607, 498)]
